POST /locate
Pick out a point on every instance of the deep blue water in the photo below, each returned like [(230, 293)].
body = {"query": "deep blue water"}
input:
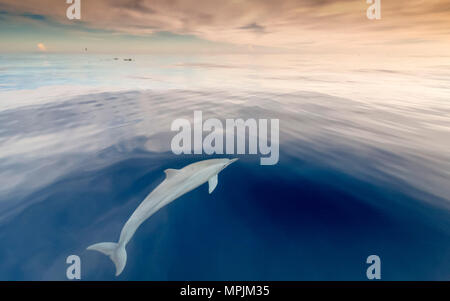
[(353, 179), (261, 223)]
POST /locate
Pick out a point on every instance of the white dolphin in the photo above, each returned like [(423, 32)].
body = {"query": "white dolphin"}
[(177, 183)]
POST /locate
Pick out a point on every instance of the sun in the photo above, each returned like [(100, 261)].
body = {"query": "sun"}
[(41, 47)]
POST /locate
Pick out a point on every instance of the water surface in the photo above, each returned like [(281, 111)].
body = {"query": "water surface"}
[(364, 168)]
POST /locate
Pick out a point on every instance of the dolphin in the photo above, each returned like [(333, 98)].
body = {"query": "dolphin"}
[(177, 183)]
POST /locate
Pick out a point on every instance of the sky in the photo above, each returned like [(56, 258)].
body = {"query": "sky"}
[(415, 27)]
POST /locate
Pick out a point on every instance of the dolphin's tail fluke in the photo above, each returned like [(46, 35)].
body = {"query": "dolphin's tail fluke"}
[(116, 252)]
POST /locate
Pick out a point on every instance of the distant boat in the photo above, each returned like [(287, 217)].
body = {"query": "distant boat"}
[(127, 60)]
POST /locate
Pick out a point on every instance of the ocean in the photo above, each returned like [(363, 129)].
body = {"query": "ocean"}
[(364, 168)]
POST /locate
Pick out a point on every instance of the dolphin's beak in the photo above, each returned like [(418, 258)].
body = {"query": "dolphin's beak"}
[(232, 161)]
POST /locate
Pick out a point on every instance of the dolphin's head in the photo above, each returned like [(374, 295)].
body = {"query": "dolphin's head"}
[(213, 165), (220, 164), (231, 161), (228, 162)]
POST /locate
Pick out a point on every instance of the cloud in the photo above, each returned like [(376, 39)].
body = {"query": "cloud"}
[(253, 27), (41, 47), (281, 23)]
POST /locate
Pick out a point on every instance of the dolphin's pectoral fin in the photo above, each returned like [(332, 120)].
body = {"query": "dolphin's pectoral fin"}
[(170, 172), (213, 183)]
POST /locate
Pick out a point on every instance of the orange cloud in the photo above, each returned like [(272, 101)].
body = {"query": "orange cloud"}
[(291, 24)]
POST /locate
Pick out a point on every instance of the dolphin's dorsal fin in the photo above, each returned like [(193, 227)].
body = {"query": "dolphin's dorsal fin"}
[(212, 182), (170, 172)]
